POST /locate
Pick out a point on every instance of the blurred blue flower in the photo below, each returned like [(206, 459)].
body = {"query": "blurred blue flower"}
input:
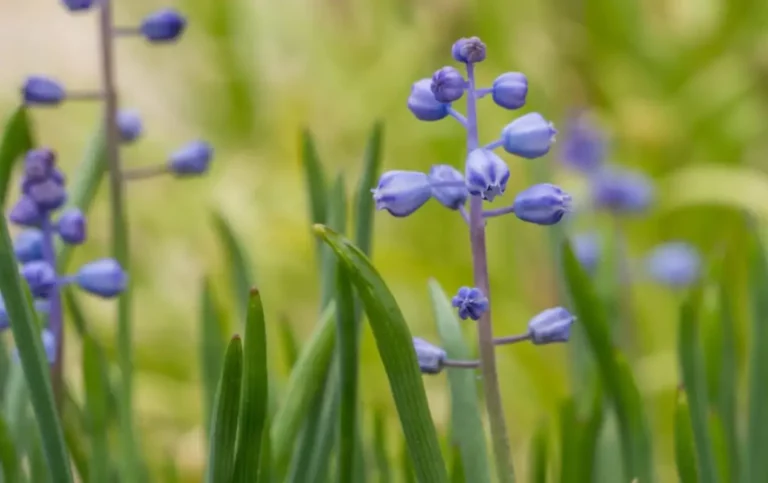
[(551, 325), (49, 347), (675, 264), (39, 164), (129, 125), (583, 145), (104, 278), (78, 5), (510, 90), (71, 226), (448, 85), (40, 277), (25, 212), (621, 191), (471, 303), (422, 102), (542, 204), (486, 174), (430, 357), (529, 136), (468, 50), (402, 192), (28, 246), (191, 159), (48, 194), (451, 197), (163, 26), (586, 248), (43, 90)]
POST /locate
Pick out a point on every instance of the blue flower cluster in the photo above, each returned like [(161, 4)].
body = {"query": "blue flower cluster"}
[(43, 193), (484, 178)]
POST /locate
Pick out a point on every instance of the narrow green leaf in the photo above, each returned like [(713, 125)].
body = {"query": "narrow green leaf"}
[(380, 446), (212, 349), (314, 460), (727, 389), (570, 457), (406, 466), (9, 459), (265, 460), (616, 376), (15, 406), (579, 434), (97, 407), (337, 220), (288, 342), (75, 435), (26, 334), (16, 140), (466, 421), (39, 471), (395, 346), (364, 206), (695, 383), (315, 178), (756, 470), (238, 263), (457, 465), (346, 334), (306, 379), (685, 451), (538, 466), (221, 454), (253, 407)]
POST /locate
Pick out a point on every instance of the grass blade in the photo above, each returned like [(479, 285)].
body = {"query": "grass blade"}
[(265, 459), (8, 456), (346, 334), (75, 434), (97, 408), (539, 455), (466, 421), (727, 390), (314, 461), (16, 140), (221, 454), (617, 379), (253, 407), (239, 265), (306, 379), (695, 383), (395, 346), (380, 446), (315, 178), (288, 342), (364, 202), (212, 349), (26, 334), (685, 451)]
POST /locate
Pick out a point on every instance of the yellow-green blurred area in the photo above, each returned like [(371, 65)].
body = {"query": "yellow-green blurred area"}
[(680, 85)]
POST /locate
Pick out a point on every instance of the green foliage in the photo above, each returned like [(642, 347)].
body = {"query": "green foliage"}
[(16, 140)]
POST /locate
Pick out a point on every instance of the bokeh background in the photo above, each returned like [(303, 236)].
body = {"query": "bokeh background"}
[(681, 86)]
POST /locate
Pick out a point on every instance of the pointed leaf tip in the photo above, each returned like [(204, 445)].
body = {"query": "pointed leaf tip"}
[(254, 291)]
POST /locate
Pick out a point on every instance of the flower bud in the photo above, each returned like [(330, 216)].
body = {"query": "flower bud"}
[(621, 191), (163, 26), (38, 164), (448, 196), (583, 146), (422, 102), (402, 192), (26, 212), (675, 264), (49, 345), (448, 85), (40, 277), (48, 194), (509, 90), (43, 90), (542, 204), (28, 246), (529, 136), (486, 174), (468, 50), (104, 278), (129, 125), (551, 325), (72, 226), (430, 357), (191, 159), (586, 248), (471, 303), (78, 5)]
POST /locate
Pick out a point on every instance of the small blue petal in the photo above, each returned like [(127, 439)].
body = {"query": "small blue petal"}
[(471, 303), (163, 26), (129, 125), (39, 164), (78, 5), (48, 194), (468, 50), (551, 325), (191, 159), (43, 91), (486, 174), (448, 85), (586, 248), (583, 145), (542, 204), (453, 197), (5, 321), (422, 102), (72, 226), (675, 264), (28, 246), (104, 278), (621, 191), (402, 192), (510, 90), (40, 277), (26, 212), (430, 357), (529, 136)]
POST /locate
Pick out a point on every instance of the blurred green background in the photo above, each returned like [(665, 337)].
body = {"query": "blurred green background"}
[(680, 85)]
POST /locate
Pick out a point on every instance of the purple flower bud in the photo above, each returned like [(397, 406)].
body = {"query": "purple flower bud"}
[(448, 85), (191, 159), (40, 277), (49, 345), (26, 212), (104, 278), (48, 194), (163, 26), (422, 102), (402, 192), (129, 125), (675, 264), (586, 248), (621, 191), (542, 204), (448, 196), (486, 173), (583, 146), (43, 90), (72, 226), (38, 164), (510, 89), (430, 357), (78, 5), (468, 50), (28, 246), (529, 136), (551, 325), (471, 303)]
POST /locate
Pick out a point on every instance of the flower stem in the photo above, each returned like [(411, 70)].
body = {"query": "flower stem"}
[(131, 469), (499, 437), (55, 322), (145, 172)]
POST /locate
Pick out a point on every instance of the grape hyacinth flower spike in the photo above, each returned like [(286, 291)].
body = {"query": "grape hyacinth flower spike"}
[(482, 178)]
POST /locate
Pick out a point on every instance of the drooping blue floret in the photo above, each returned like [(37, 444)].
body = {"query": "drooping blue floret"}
[(529, 136), (402, 192), (542, 204), (43, 91), (163, 26), (486, 174), (550, 326), (430, 357)]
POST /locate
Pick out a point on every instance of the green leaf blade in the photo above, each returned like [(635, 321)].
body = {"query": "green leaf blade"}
[(685, 452), (97, 408), (212, 349), (16, 140), (347, 337), (238, 263), (364, 206)]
